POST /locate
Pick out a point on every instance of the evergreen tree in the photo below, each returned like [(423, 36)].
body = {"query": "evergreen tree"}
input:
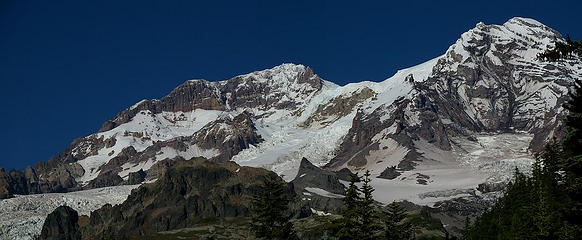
[(550, 198), (572, 160), (512, 217), (351, 222), (570, 164), (270, 207), (467, 227), (367, 210), (396, 227)]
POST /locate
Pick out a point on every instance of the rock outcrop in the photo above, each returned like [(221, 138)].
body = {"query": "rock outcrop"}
[(310, 175), (60, 179), (189, 192), (61, 224), (319, 189), (5, 186), (136, 177)]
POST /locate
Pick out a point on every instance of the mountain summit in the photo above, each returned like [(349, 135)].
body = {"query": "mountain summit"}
[(420, 132)]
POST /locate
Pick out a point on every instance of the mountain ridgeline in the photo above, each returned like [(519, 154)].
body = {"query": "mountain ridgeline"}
[(448, 133), (489, 82)]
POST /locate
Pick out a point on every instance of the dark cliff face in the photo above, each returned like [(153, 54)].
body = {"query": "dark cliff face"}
[(56, 175), (80, 148), (240, 134), (359, 141), (225, 136), (491, 81), (187, 193), (29, 182), (136, 177), (195, 94), (61, 224), (311, 176)]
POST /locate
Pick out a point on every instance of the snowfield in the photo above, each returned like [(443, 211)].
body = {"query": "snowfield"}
[(23, 216), (287, 141), (491, 159)]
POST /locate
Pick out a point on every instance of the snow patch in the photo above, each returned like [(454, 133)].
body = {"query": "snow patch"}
[(323, 193)]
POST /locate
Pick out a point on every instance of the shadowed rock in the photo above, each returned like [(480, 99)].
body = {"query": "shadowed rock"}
[(187, 193), (136, 177), (313, 177), (61, 224), (310, 175)]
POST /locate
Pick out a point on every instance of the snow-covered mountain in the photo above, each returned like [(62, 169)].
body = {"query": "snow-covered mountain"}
[(434, 130)]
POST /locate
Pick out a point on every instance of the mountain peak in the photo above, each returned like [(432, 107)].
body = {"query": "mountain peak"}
[(286, 77), (512, 29), (285, 71), (529, 22), (520, 39), (290, 66)]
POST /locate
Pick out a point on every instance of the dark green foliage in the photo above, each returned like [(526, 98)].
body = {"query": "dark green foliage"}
[(532, 208), (569, 161), (362, 219), (511, 217), (425, 220), (547, 205), (396, 227), (571, 164), (351, 221), (467, 227), (367, 209), (270, 211), (359, 218)]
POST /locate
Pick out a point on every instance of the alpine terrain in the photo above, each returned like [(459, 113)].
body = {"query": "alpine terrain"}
[(447, 133)]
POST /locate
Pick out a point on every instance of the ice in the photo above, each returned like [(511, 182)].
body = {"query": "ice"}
[(492, 158), (287, 141), (286, 144), (23, 216)]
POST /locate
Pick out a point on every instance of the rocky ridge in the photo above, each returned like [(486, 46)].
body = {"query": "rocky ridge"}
[(188, 193), (405, 129)]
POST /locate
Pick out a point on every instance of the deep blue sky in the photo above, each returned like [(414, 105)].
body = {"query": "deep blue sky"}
[(67, 66)]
